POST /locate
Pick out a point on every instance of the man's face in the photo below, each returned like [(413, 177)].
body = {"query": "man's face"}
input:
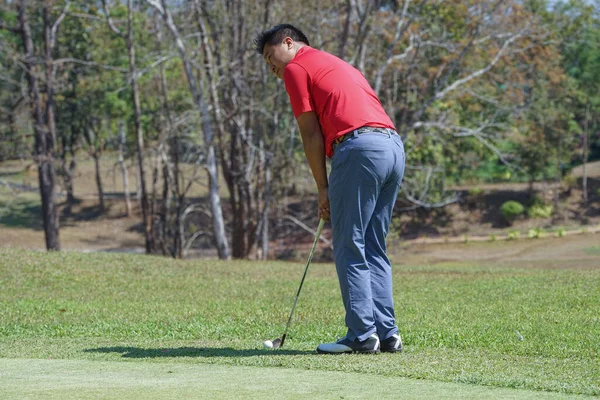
[(277, 56)]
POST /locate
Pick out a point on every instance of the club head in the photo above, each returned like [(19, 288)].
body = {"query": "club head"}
[(277, 343)]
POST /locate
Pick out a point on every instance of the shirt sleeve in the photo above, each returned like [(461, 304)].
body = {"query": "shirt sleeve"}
[(297, 85)]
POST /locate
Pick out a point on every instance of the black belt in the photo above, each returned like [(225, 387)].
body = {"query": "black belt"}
[(364, 129)]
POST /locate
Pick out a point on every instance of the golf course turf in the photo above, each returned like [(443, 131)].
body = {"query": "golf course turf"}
[(470, 327)]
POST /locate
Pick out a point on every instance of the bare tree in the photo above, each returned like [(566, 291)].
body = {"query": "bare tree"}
[(207, 130), (128, 36)]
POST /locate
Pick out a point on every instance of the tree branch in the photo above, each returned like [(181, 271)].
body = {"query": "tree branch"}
[(89, 63), (481, 71), (109, 20), (389, 61), (57, 23), (422, 204), (306, 228)]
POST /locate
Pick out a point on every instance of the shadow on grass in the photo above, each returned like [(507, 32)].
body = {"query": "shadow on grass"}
[(136, 352), (23, 214)]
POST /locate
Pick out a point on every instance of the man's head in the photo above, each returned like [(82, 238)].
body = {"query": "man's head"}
[(279, 46)]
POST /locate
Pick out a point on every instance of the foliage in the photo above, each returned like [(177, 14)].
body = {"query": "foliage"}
[(511, 210), (540, 211), (535, 233), (513, 235)]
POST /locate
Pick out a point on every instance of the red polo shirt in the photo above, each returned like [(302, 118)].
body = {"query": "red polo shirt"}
[(336, 91)]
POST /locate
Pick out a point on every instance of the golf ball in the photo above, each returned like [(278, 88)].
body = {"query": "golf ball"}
[(268, 344)]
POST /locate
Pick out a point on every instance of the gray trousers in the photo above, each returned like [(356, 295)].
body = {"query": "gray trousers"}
[(366, 173)]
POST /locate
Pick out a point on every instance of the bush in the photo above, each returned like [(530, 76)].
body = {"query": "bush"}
[(560, 232), (535, 233), (540, 211), (512, 235), (511, 210)]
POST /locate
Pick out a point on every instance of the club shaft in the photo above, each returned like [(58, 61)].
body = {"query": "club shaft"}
[(310, 256)]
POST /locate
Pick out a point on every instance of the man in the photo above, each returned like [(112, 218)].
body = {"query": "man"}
[(340, 116)]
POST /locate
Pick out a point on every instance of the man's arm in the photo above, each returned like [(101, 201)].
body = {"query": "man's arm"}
[(314, 149)]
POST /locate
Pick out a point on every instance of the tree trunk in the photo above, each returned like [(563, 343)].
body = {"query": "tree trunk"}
[(166, 208), (179, 238), (44, 132), (67, 169), (124, 174), (263, 223), (156, 227), (345, 31), (138, 187), (586, 152), (94, 152), (168, 176), (51, 210), (98, 176), (146, 216), (558, 177)]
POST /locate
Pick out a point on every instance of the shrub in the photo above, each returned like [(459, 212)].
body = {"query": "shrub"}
[(560, 232), (512, 235), (534, 233), (511, 210), (492, 237), (540, 211)]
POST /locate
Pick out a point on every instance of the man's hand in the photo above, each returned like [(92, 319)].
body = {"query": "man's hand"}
[(324, 204)]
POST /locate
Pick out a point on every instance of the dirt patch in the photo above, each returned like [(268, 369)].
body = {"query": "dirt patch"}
[(575, 251), (84, 228)]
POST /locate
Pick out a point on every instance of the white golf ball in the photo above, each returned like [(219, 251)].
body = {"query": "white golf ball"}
[(268, 344)]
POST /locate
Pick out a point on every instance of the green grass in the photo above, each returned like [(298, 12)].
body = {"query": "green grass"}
[(83, 379), (533, 329)]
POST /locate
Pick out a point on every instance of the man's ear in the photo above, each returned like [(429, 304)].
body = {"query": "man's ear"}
[(289, 42)]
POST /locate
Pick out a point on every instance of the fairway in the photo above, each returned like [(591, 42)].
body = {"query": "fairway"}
[(62, 379), (101, 323)]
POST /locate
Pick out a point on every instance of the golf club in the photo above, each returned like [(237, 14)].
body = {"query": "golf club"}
[(277, 343)]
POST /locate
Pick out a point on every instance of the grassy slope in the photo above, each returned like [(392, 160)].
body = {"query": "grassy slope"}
[(479, 324)]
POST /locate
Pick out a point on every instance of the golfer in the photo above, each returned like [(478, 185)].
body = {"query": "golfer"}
[(340, 117)]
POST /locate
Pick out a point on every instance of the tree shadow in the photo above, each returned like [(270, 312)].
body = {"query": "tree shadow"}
[(23, 214), (137, 352), (492, 213)]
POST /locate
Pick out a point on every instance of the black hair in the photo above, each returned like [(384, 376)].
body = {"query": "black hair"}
[(276, 34)]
